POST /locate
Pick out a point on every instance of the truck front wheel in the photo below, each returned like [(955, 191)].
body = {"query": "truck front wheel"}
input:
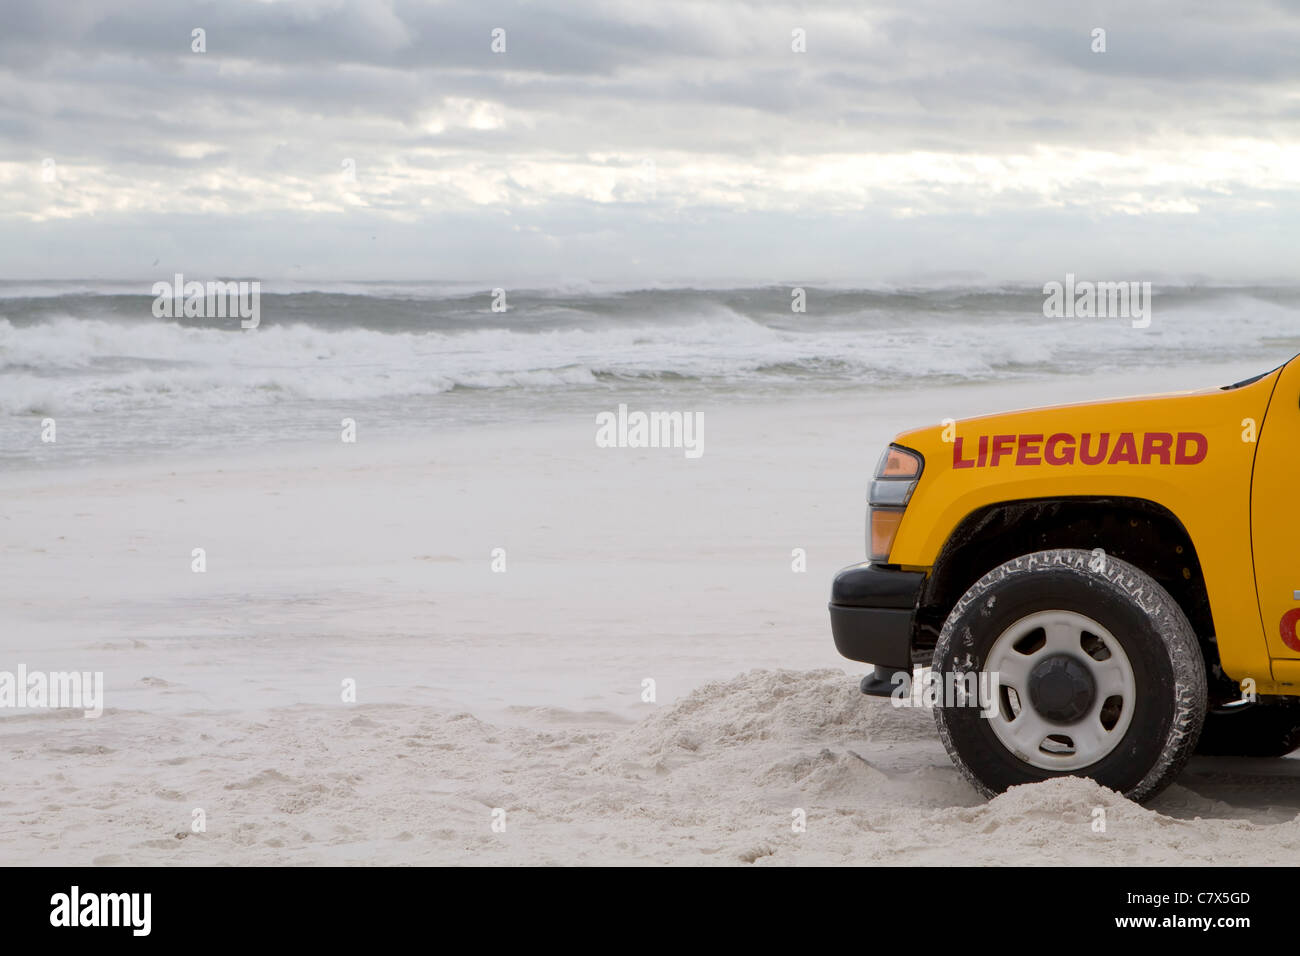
[(1083, 665)]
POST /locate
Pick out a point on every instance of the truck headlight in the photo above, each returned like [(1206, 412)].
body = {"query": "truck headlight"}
[(890, 491)]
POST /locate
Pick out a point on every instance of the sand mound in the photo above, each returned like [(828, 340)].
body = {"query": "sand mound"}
[(827, 773), (1063, 801), (764, 705), (768, 768)]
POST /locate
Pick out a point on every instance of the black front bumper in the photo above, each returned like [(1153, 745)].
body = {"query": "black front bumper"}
[(873, 612)]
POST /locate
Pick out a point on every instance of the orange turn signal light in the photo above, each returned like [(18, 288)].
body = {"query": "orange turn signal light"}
[(884, 529)]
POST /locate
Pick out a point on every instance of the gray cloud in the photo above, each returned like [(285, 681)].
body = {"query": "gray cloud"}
[(652, 127)]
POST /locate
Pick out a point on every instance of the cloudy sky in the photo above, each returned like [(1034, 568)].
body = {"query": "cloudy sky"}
[(650, 140)]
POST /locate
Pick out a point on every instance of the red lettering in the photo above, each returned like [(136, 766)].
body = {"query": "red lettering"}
[(1289, 621), (957, 460), (1086, 456), (984, 451), (1185, 457), (1029, 446), (1126, 451), (1157, 445), (1053, 457), (1002, 445)]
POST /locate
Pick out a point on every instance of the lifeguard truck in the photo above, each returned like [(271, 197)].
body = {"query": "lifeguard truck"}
[(1122, 577)]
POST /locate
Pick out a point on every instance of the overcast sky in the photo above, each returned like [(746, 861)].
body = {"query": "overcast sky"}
[(650, 140)]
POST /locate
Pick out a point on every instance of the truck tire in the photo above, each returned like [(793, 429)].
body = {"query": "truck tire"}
[(1098, 674), (1251, 730)]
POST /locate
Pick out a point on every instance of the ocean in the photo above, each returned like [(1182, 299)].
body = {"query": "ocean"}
[(413, 358)]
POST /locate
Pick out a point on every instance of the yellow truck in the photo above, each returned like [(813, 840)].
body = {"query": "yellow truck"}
[(1098, 589)]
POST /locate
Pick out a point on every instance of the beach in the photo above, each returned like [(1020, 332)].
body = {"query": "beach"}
[(503, 643)]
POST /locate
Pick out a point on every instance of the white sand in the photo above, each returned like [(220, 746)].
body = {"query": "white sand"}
[(519, 690)]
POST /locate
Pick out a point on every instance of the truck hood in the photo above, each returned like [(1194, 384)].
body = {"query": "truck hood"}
[(1144, 431)]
